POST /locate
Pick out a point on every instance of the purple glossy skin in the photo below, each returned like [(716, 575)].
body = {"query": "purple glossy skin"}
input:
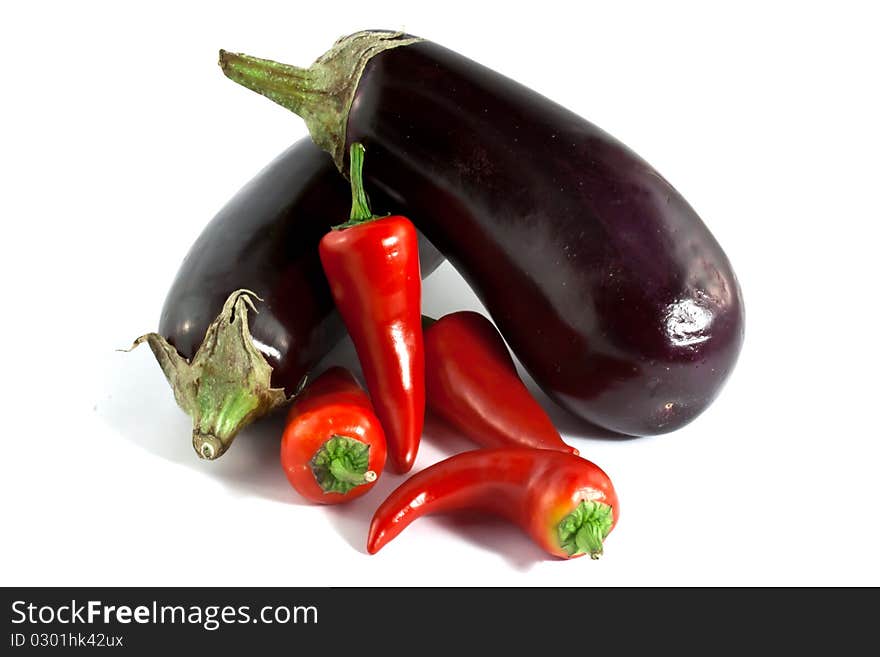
[(265, 239), (604, 281)]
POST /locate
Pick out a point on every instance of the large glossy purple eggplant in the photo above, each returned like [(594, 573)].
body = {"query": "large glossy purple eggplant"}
[(604, 281), (228, 366)]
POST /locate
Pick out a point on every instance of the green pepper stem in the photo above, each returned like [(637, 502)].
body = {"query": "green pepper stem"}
[(340, 469), (583, 530), (341, 464), (360, 205)]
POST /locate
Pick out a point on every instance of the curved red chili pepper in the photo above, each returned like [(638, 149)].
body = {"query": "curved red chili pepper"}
[(472, 383), (564, 502), (333, 447), (372, 265)]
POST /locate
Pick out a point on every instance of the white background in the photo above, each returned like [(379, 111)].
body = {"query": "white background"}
[(121, 139)]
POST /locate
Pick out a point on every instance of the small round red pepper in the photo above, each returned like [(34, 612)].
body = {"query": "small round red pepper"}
[(372, 265), (564, 502), (472, 383), (333, 447)]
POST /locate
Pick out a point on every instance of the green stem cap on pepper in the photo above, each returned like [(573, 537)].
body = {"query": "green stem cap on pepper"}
[(583, 530), (341, 464)]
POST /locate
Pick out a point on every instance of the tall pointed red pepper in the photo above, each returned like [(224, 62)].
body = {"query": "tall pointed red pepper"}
[(372, 264)]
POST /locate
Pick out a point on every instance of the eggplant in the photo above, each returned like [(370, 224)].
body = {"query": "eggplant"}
[(606, 284), (228, 366)]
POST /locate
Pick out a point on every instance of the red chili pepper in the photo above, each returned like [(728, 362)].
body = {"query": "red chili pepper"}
[(564, 502), (372, 265), (333, 447), (472, 383)]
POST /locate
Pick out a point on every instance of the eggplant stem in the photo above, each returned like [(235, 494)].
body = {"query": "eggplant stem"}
[(321, 94), (228, 383)]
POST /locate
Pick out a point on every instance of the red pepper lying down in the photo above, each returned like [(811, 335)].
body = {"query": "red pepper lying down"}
[(333, 447), (472, 383), (564, 502)]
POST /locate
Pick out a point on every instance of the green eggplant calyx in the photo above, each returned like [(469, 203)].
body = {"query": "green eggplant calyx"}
[(321, 94), (227, 384)]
